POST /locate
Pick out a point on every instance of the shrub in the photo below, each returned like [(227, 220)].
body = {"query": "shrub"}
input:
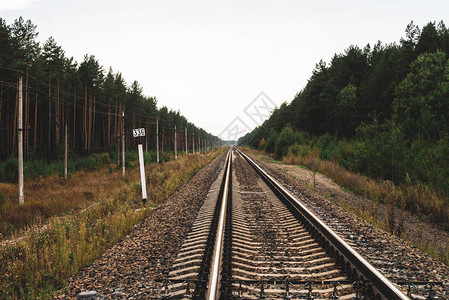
[(299, 150), (131, 156), (286, 138), (261, 144), (150, 157), (270, 144), (86, 163), (103, 158), (9, 170), (345, 154), (35, 168), (302, 138), (382, 152)]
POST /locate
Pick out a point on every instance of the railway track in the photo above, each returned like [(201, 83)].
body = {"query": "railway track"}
[(253, 239)]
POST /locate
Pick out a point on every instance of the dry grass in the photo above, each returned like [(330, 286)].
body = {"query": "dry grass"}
[(417, 198), (47, 197), (39, 262)]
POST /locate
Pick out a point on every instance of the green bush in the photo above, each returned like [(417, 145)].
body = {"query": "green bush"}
[(35, 168), (131, 156), (382, 152), (299, 150), (345, 154), (149, 157), (302, 138), (326, 144), (270, 144), (86, 163), (9, 170), (429, 163), (102, 158), (286, 139), (328, 152)]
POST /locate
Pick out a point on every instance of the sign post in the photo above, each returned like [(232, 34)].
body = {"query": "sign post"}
[(138, 133)]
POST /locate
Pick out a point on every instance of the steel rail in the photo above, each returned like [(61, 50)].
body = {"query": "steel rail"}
[(381, 286), (212, 291)]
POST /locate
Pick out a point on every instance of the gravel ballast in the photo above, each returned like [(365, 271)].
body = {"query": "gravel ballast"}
[(129, 268)]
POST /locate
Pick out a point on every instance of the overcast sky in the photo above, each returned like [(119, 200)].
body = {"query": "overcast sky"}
[(211, 59)]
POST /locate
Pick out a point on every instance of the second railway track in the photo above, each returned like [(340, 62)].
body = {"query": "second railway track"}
[(253, 240)]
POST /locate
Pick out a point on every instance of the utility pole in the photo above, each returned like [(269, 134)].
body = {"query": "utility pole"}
[(157, 140), (65, 151), (185, 129), (49, 125), (118, 140), (176, 149), (20, 142), (123, 142), (193, 143)]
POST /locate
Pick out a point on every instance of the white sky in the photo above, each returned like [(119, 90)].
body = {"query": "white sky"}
[(210, 59)]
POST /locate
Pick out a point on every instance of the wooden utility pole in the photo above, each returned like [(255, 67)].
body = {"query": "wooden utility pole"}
[(193, 142), (157, 140), (20, 142), (123, 142), (176, 149), (65, 151), (185, 130)]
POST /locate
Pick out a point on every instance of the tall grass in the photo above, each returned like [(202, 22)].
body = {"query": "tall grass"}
[(40, 262), (417, 198), (48, 194)]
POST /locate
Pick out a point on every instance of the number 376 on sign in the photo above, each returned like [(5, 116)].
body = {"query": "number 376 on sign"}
[(139, 132)]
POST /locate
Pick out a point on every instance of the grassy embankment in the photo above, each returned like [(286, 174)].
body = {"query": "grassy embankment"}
[(396, 198), (70, 223)]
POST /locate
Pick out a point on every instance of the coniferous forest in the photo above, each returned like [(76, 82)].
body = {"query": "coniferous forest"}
[(59, 91), (381, 111)]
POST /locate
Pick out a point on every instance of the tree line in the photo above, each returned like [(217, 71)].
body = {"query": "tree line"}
[(380, 110), (59, 92)]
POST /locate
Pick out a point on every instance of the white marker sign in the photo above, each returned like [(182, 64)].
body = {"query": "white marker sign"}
[(139, 132)]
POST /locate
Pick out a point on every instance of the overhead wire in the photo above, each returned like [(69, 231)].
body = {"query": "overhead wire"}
[(43, 96)]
